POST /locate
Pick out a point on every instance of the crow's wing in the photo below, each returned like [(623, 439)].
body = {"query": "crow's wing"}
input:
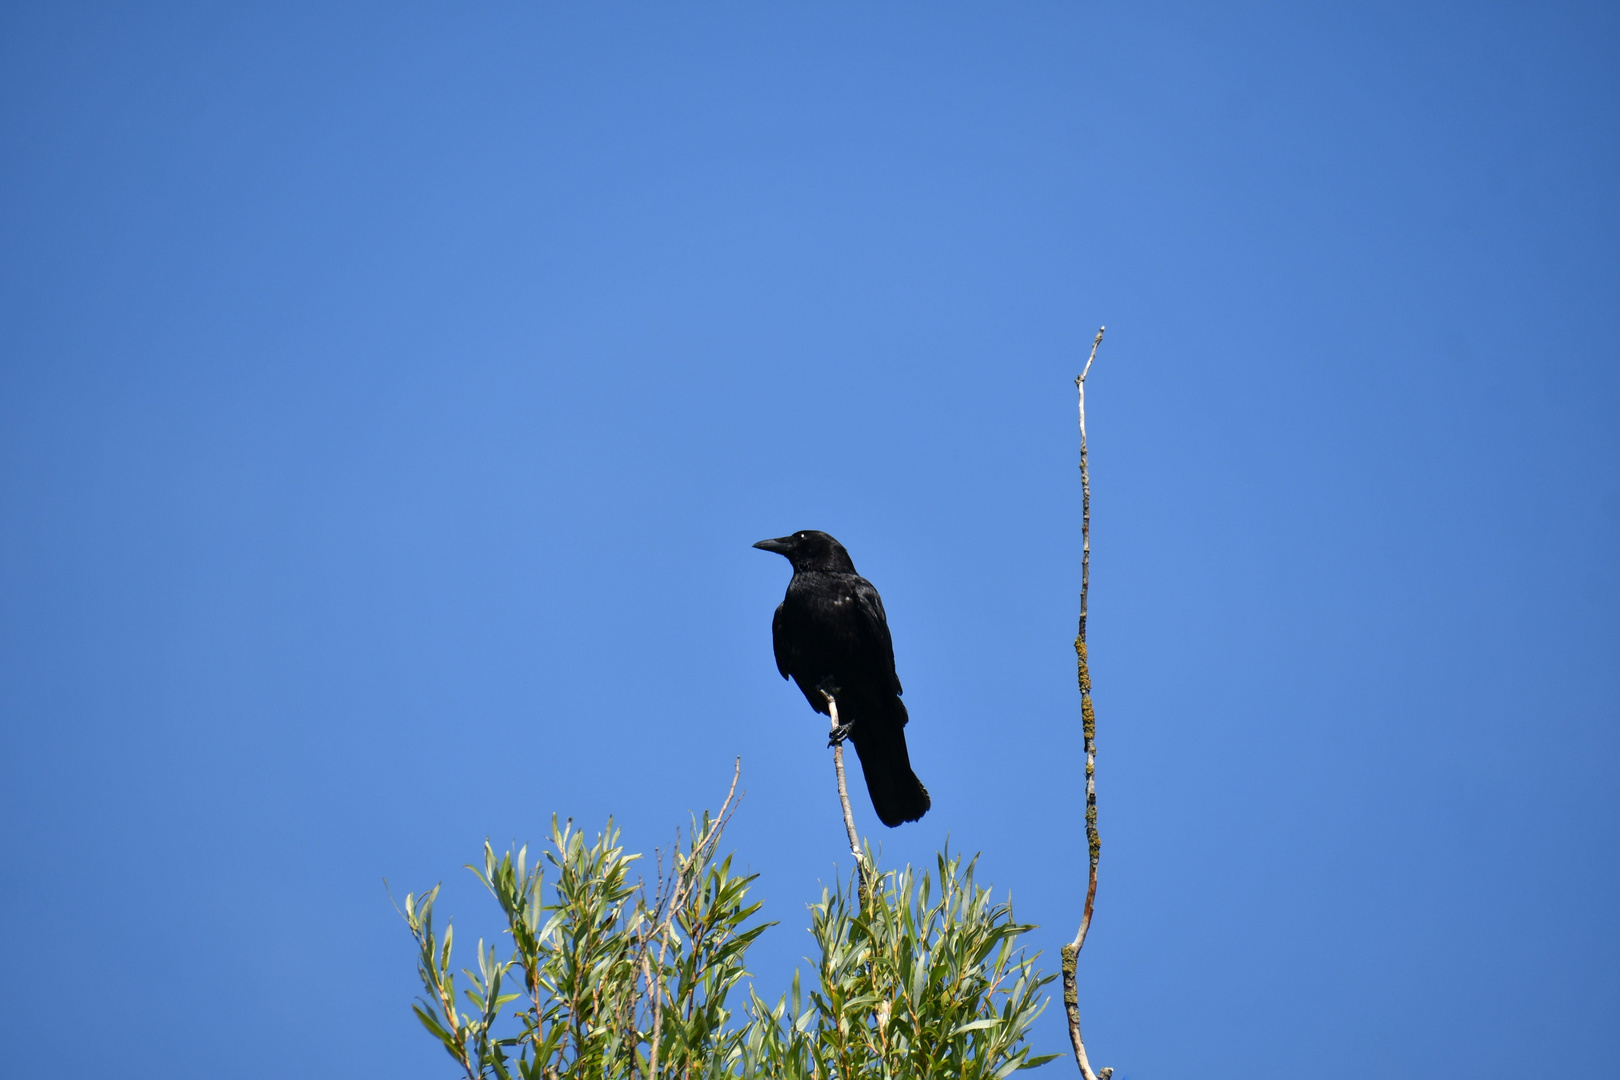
[(874, 626), (779, 642)]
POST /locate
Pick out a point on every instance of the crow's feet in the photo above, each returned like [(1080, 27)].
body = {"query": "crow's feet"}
[(840, 732)]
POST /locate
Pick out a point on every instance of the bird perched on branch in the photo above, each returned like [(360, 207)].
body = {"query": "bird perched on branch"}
[(830, 631)]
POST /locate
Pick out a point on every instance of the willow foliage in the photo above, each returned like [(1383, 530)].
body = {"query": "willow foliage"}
[(606, 981)]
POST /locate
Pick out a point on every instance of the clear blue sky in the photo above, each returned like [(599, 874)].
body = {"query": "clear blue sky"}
[(391, 393)]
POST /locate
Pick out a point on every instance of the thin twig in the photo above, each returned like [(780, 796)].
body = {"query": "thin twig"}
[(1088, 721), (656, 992), (668, 904), (843, 799)]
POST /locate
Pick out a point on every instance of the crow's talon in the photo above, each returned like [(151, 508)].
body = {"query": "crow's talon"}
[(838, 734)]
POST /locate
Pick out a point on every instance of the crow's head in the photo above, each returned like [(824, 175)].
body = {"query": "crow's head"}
[(810, 549)]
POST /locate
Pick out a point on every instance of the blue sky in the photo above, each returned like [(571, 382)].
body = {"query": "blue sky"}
[(389, 395)]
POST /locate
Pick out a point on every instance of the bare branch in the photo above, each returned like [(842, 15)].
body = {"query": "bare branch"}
[(861, 869), (1088, 720)]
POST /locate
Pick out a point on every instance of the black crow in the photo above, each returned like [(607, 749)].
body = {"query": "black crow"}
[(830, 630)]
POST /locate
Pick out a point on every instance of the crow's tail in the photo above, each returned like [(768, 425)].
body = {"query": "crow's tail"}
[(880, 740)]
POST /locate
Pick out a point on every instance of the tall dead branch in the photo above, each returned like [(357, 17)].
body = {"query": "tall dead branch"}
[(1088, 722)]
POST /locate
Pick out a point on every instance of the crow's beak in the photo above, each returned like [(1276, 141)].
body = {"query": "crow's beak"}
[(781, 545)]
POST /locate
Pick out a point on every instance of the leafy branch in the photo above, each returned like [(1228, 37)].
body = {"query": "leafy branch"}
[(917, 975), (614, 983)]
